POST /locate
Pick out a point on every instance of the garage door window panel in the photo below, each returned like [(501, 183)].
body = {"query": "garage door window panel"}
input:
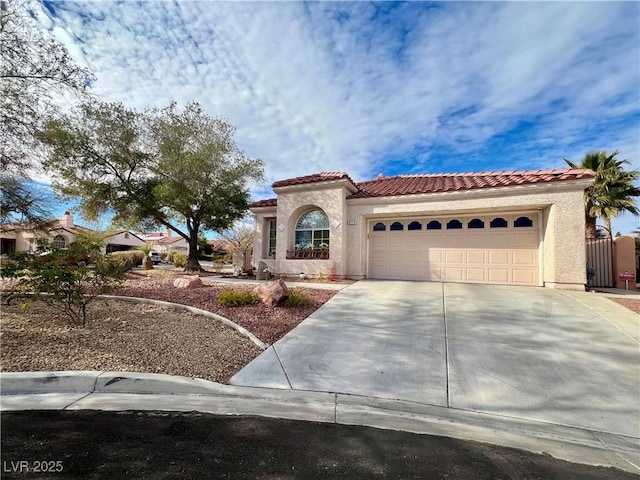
[(498, 223), (415, 225), (379, 227), (396, 226), (454, 225), (523, 222), (434, 225), (475, 223)]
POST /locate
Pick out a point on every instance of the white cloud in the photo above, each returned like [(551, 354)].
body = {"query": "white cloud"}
[(350, 86)]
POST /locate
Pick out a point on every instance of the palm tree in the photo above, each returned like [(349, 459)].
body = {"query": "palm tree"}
[(613, 190)]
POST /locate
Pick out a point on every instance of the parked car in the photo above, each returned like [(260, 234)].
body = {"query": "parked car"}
[(155, 258)]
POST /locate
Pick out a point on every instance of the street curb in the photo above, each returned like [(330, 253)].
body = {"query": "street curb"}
[(126, 391), (198, 311)]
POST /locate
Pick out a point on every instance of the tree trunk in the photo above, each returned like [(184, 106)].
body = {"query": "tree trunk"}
[(607, 228), (193, 265), (590, 226)]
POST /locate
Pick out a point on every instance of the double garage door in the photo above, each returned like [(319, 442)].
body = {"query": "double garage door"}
[(500, 249)]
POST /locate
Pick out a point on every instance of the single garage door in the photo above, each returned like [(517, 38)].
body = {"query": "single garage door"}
[(501, 249)]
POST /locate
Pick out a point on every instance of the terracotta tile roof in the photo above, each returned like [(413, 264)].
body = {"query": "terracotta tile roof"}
[(383, 186), (316, 177), (168, 240), (271, 202), (447, 182)]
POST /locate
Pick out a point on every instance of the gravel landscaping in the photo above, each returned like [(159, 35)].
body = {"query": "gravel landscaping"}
[(134, 337), (631, 303)]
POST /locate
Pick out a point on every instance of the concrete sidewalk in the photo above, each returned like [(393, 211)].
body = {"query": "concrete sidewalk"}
[(121, 391)]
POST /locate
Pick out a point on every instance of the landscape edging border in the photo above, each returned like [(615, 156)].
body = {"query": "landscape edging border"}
[(198, 311)]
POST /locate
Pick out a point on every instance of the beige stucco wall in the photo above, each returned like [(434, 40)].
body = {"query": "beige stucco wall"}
[(559, 206), (23, 238), (121, 239), (624, 259), (291, 205)]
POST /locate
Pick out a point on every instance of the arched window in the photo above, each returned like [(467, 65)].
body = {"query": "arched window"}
[(312, 230), (396, 226), (475, 223), (59, 242), (523, 222), (454, 224), (434, 225), (379, 227), (498, 223), (415, 225)]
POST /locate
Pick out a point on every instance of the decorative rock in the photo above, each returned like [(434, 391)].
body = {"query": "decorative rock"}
[(272, 293), (187, 282)]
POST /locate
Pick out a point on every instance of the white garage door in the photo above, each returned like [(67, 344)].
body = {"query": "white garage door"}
[(501, 249)]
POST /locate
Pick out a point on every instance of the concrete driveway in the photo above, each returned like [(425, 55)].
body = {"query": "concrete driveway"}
[(571, 359)]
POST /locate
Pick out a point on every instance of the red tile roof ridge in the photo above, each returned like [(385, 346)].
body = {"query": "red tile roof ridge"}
[(312, 178), (496, 173)]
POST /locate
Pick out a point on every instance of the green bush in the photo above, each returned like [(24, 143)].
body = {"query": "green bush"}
[(297, 298), (128, 259), (237, 298), (179, 259)]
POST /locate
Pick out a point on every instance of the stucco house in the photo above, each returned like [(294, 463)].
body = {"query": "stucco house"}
[(21, 237), (514, 228), (165, 242)]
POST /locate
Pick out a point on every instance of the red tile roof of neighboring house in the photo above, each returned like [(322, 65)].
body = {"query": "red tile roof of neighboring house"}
[(316, 177), (383, 186), (168, 240), (271, 202), (219, 244), (447, 182)]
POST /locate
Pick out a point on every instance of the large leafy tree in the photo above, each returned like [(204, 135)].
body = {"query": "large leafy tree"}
[(613, 190), (182, 170), (34, 72)]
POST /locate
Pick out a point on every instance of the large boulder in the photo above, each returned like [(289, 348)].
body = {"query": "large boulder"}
[(272, 293), (187, 281)]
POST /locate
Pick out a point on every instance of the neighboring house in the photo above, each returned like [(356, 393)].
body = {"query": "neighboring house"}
[(520, 227), (219, 248), (165, 242), (122, 241), (21, 237)]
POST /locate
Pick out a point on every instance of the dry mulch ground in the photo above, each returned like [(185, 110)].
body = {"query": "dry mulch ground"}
[(145, 338), (269, 324)]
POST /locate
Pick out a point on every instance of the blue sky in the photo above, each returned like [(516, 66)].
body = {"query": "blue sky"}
[(384, 87)]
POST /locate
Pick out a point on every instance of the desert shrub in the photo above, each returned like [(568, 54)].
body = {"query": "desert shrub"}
[(179, 259), (297, 298), (61, 279), (128, 259), (237, 298)]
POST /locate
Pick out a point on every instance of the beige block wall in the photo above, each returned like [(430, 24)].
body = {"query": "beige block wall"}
[(560, 206)]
